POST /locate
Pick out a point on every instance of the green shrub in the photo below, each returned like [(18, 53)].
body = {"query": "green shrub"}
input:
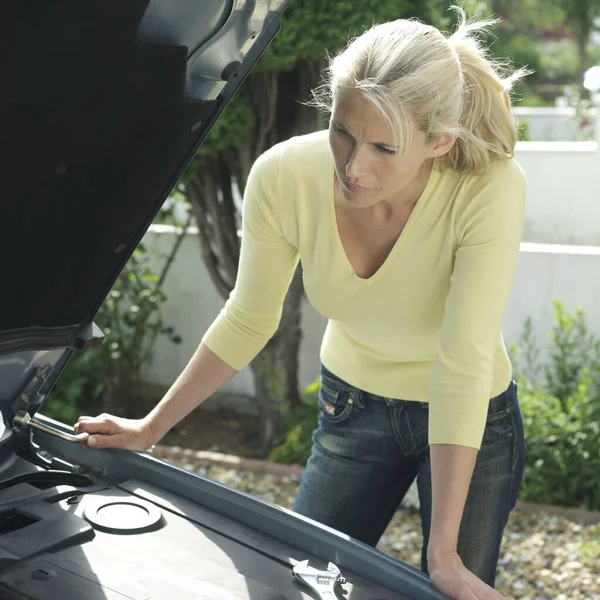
[(525, 97), (563, 455), (295, 439), (559, 61), (574, 350), (108, 377), (523, 131), (591, 550), (560, 401)]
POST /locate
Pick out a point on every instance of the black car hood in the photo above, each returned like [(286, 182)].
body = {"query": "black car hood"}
[(104, 103)]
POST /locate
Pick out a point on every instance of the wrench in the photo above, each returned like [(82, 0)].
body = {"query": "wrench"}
[(321, 582)]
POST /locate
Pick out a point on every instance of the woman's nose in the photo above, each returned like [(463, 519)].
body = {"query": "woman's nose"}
[(356, 163)]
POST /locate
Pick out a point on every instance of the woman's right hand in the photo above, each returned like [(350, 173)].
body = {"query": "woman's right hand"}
[(108, 431)]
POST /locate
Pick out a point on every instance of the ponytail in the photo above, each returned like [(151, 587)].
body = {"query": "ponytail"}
[(487, 126)]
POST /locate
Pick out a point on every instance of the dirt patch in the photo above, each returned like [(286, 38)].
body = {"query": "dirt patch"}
[(219, 430)]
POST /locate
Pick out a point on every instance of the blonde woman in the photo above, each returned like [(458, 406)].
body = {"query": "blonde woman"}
[(407, 216)]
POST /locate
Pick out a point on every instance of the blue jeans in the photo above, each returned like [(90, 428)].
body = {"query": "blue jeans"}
[(367, 451)]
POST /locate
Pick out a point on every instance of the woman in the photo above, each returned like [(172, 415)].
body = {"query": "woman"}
[(407, 216)]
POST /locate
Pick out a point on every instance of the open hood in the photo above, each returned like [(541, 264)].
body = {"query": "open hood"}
[(104, 103)]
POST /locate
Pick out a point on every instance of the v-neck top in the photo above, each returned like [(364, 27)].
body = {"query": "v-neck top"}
[(431, 182), (426, 326)]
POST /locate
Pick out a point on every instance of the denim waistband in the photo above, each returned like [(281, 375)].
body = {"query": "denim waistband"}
[(497, 404)]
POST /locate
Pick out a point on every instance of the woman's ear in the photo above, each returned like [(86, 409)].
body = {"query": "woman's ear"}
[(442, 145)]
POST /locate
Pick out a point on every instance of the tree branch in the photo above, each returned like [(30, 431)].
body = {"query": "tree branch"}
[(211, 260), (228, 217), (263, 93), (215, 227), (175, 250)]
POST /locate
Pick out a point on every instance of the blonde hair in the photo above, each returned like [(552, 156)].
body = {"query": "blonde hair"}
[(414, 74)]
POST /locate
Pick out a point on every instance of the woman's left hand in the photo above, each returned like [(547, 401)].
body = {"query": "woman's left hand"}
[(451, 577)]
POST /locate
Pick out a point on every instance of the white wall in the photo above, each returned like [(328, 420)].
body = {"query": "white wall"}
[(563, 192), (192, 304), (553, 124)]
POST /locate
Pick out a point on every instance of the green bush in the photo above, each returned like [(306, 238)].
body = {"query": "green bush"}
[(560, 61), (523, 51), (108, 377), (560, 401), (563, 456), (591, 550), (524, 97), (295, 439), (523, 131)]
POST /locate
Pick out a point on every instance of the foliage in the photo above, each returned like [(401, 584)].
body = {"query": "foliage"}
[(523, 51), (524, 97), (574, 351), (532, 32), (582, 121), (559, 61), (295, 438), (515, 39), (591, 550), (561, 413), (529, 16), (336, 23), (233, 125), (176, 209), (523, 131), (305, 38), (79, 380), (108, 377), (579, 16), (563, 457), (593, 55)]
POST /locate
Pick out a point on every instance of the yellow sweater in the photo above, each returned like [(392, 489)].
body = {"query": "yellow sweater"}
[(426, 326)]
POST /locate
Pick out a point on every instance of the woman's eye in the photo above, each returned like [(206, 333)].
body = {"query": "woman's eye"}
[(385, 150), (344, 133)]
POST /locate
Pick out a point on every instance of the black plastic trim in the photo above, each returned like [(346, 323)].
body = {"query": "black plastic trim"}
[(50, 338)]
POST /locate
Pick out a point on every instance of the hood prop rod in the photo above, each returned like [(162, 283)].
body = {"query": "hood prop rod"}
[(23, 419)]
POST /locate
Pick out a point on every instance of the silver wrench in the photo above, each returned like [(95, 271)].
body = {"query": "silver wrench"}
[(321, 582)]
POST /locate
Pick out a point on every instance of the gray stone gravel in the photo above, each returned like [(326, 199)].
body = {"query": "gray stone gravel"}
[(544, 557)]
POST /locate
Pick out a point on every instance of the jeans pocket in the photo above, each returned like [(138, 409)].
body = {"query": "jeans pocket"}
[(499, 433), (499, 407), (336, 401)]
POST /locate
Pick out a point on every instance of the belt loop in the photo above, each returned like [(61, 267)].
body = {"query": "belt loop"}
[(358, 396)]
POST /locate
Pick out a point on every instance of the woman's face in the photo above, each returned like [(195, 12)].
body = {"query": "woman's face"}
[(366, 162)]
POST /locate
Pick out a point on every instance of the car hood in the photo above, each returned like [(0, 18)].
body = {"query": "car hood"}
[(104, 103)]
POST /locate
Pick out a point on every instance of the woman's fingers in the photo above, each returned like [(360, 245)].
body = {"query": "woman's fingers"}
[(118, 440), (102, 424), (108, 431)]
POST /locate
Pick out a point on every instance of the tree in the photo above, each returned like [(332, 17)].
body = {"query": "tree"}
[(580, 17), (532, 17), (265, 111), (577, 16)]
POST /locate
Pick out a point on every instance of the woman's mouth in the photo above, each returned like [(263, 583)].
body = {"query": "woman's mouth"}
[(351, 187)]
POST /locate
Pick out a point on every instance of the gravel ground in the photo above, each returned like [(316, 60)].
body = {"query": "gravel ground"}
[(544, 557)]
